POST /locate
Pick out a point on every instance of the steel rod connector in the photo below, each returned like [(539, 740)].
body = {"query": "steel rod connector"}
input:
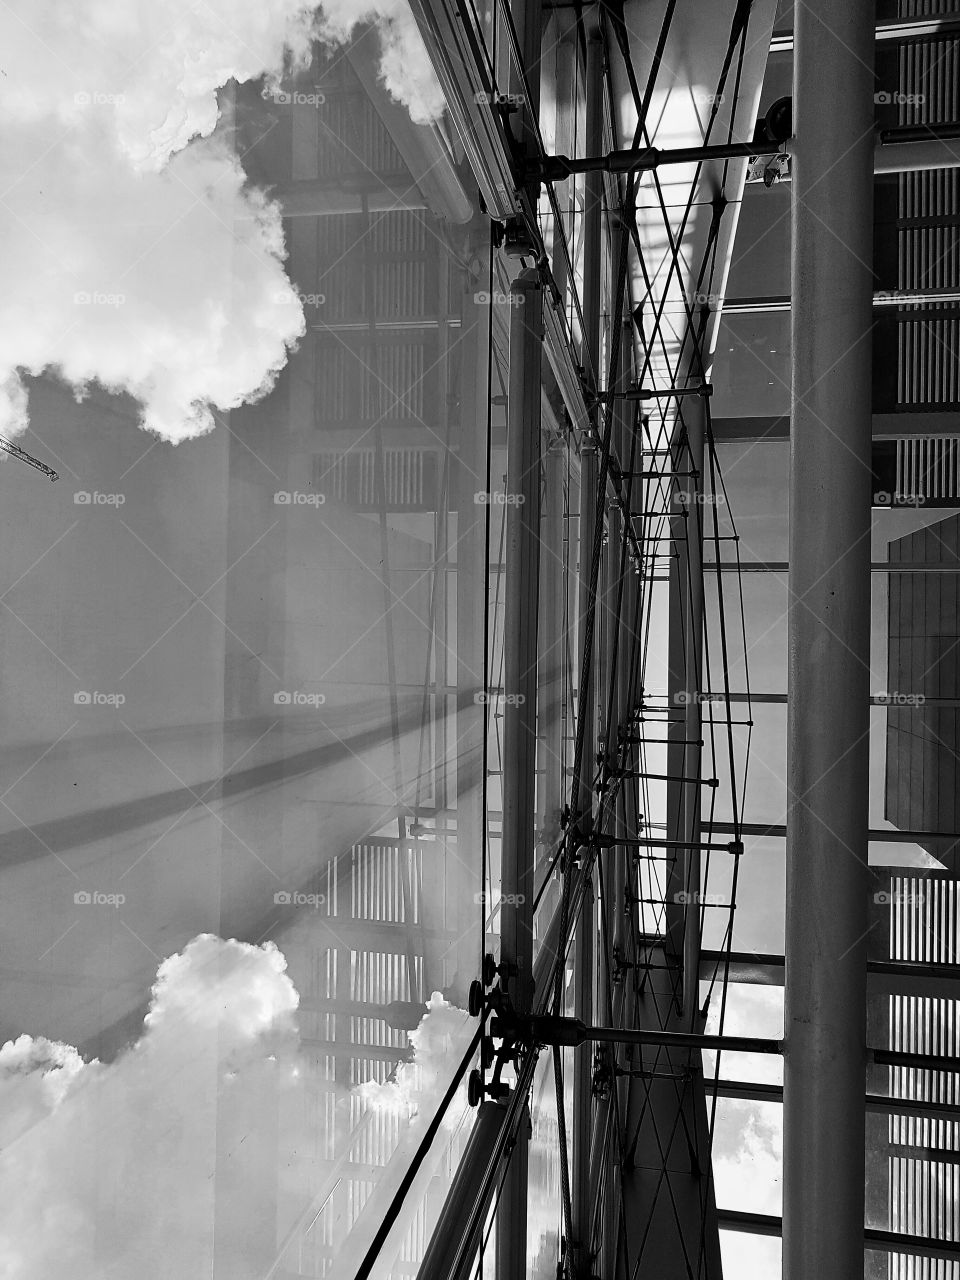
[(550, 1029), (704, 390), (644, 159)]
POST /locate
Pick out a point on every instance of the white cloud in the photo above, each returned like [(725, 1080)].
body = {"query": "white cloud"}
[(405, 66), (132, 252), (149, 72), (748, 1136), (418, 1086), (127, 1169), (109, 1169), (169, 286)]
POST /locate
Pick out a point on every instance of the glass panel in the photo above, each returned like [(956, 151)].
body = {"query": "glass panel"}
[(242, 745)]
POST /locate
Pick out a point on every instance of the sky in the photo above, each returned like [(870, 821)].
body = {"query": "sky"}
[(152, 1164), (129, 234), (150, 267)]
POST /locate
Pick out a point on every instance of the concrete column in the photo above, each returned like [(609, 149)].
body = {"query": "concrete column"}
[(829, 642)]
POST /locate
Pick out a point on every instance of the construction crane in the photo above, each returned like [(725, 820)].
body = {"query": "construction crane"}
[(9, 447)]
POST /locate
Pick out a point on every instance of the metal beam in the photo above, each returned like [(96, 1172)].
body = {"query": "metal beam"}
[(762, 1224), (875, 1103), (884, 977), (829, 642), (580, 1190), (521, 592), (453, 1246), (775, 831), (878, 566), (875, 699), (898, 30), (906, 157), (883, 300), (886, 426)]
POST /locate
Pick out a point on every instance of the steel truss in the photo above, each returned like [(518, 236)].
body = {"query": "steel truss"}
[(620, 894), (635, 1182)]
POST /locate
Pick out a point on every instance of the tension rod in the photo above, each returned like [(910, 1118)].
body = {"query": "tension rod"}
[(556, 168), (548, 1029), (665, 777), (646, 393), (679, 742), (648, 842), (661, 475)]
